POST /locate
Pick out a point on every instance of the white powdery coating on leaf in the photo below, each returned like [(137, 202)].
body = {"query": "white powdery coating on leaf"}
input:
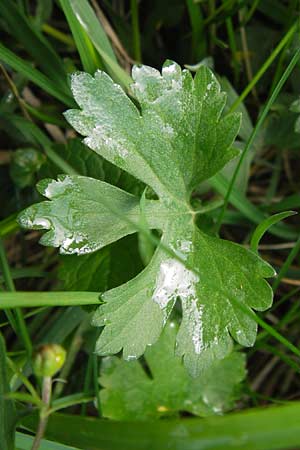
[(76, 243), (196, 328), (168, 130), (41, 222), (130, 358), (174, 280), (58, 187), (102, 135), (171, 69), (184, 246)]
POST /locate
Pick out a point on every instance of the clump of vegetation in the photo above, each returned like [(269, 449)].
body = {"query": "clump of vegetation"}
[(167, 211)]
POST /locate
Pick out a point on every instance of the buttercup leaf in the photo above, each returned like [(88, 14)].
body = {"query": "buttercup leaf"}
[(129, 393), (174, 140)]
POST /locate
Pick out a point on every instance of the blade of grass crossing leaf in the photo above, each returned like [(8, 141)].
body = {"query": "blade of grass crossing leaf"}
[(20, 322), (265, 225), (34, 75), (285, 320), (89, 21), (260, 121), (89, 59), (146, 246), (271, 330)]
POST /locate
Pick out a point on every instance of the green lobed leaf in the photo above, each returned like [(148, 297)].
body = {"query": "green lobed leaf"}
[(85, 214), (89, 272), (177, 139), (129, 393)]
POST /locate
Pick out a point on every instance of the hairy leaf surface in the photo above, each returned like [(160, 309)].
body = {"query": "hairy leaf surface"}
[(173, 141)]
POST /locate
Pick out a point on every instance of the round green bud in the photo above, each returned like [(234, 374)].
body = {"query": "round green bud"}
[(48, 360)]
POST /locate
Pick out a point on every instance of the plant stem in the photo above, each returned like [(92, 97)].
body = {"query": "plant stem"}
[(46, 397)]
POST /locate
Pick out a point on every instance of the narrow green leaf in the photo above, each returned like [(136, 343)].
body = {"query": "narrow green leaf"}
[(286, 38), (271, 428), (259, 123), (101, 215), (87, 273), (89, 21), (19, 299), (25, 441), (34, 75), (7, 410), (35, 44), (240, 202), (89, 59), (265, 225), (292, 255)]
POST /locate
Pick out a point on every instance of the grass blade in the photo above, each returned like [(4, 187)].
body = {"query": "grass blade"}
[(7, 411), (24, 442), (136, 30), (9, 300), (240, 202), (266, 65), (34, 43), (34, 75), (20, 324), (276, 427), (265, 225), (89, 58), (260, 121), (89, 21), (292, 255)]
